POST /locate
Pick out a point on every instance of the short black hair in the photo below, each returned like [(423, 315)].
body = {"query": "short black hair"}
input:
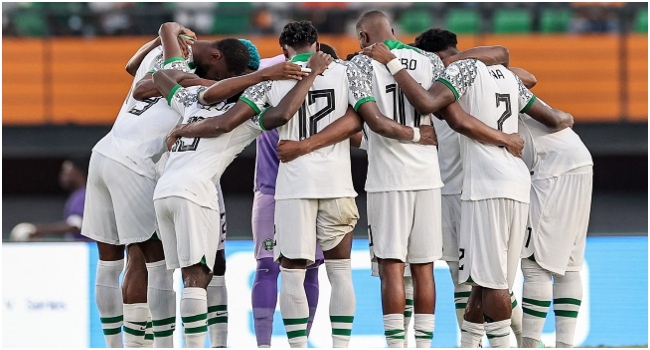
[(435, 40), (329, 50), (235, 53), (351, 56), (298, 34), (368, 15)]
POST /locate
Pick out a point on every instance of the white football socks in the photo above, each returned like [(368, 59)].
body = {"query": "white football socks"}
[(342, 301), (218, 312), (194, 314), (108, 297), (161, 299), (293, 306)]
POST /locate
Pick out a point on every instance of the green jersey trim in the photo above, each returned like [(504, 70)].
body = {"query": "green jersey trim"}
[(395, 44), (251, 104), (171, 94), (261, 122), (172, 59), (529, 104), (191, 65), (301, 57), (450, 86), (362, 101)]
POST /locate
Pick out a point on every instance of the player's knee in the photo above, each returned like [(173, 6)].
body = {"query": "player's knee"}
[(110, 252), (268, 266), (152, 249), (197, 275), (533, 272), (293, 263)]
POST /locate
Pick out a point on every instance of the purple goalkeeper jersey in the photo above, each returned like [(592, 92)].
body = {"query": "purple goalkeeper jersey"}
[(73, 212), (266, 162)]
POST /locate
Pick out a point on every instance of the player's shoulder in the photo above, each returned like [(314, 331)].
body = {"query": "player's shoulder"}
[(363, 62), (189, 96)]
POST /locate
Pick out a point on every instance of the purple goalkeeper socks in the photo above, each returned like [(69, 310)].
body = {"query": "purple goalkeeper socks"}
[(311, 289)]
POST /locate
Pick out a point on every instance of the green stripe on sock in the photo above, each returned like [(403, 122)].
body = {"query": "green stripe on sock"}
[(112, 331), (424, 333), (393, 332), (460, 305), (133, 331), (534, 313), (115, 319), (462, 294), (164, 322), (396, 337), (408, 313), (194, 318), (423, 337), (295, 321), (149, 325), (338, 331), (221, 319), (542, 303), (564, 313), (409, 301), (163, 334), (567, 301), (201, 329), (343, 319), (148, 336), (492, 336), (514, 303), (217, 308), (296, 334)]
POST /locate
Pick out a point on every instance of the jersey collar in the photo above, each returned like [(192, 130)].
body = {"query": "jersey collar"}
[(396, 44), (301, 57)]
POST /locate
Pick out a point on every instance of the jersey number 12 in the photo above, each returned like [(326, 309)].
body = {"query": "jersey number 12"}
[(328, 95)]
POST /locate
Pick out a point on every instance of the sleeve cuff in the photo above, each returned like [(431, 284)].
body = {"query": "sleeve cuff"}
[(530, 103), (362, 101), (251, 104), (260, 120), (171, 94), (450, 86)]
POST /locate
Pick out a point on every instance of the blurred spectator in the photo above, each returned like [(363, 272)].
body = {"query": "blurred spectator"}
[(595, 18), (114, 17), (197, 16), (72, 177)]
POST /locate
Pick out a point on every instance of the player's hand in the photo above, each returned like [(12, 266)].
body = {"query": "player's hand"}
[(290, 150), (172, 137), (428, 136), (319, 62), (379, 52), (283, 71), (515, 145)]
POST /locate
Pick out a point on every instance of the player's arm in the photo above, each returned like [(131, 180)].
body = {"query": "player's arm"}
[(356, 139), (386, 127), (552, 118), (342, 129), (165, 80), (224, 89), (281, 114), (169, 37), (465, 124), (490, 55), (145, 88), (134, 63), (525, 76)]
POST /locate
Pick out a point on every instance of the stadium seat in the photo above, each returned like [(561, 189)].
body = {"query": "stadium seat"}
[(232, 18), (512, 21), (641, 22), (415, 21), (463, 21), (29, 21), (554, 21)]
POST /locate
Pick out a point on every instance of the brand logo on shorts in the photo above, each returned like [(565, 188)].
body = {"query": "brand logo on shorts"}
[(267, 244)]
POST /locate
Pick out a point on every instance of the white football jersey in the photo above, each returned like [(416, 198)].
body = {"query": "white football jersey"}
[(451, 167), (550, 154), (493, 95), (394, 165), (195, 165), (324, 173), (137, 139)]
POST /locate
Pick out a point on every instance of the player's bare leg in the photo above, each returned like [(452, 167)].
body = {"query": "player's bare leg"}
[(391, 273), (194, 304), (108, 294), (497, 311), (472, 329), (134, 296), (293, 301), (342, 300), (161, 297), (218, 303), (424, 298)]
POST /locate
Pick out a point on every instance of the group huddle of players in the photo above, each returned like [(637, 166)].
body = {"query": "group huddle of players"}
[(465, 164)]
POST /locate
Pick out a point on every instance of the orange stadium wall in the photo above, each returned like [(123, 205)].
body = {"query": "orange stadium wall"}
[(597, 78)]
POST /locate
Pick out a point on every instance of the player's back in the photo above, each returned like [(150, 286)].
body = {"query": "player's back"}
[(490, 94), (324, 173), (195, 165), (395, 165), (550, 154), (136, 139), (451, 168)]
